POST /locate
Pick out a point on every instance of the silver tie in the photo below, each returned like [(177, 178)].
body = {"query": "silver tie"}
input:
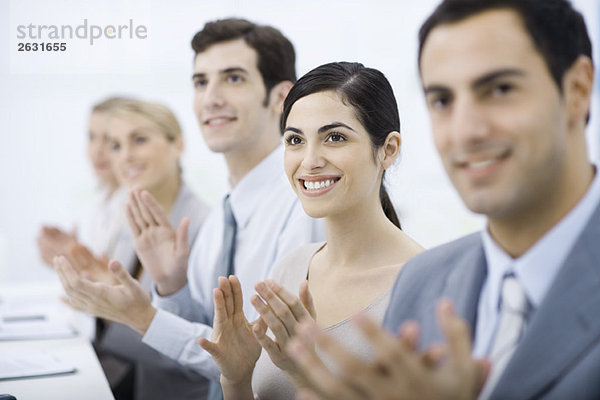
[(225, 265), (514, 308), (225, 268)]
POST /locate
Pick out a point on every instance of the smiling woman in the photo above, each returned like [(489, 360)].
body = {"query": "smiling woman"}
[(145, 145), (334, 165), (341, 89), (96, 231), (341, 128)]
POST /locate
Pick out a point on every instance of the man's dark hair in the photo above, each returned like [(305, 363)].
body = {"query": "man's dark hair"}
[(276, 56), (557, 29)]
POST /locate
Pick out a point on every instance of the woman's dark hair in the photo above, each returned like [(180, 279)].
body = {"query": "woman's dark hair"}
[(368, 92)]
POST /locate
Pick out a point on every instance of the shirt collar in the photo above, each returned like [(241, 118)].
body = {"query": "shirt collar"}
[(537, 268), (255, 186), (498, 264)]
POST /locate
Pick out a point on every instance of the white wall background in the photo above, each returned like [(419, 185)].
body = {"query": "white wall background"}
[(45, 100)]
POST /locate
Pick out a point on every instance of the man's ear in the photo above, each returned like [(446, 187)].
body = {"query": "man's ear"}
[(278, 94), (578, 84), (388, 153)]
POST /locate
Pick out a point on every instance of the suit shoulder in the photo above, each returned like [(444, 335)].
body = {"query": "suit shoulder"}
[(428, 271), (442, 257), (422, 280)]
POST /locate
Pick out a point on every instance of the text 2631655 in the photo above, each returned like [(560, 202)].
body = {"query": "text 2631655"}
[(43, 46)]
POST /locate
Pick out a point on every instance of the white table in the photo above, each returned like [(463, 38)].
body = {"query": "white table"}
[(88, 382)]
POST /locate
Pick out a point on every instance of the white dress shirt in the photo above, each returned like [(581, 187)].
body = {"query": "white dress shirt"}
[(99, 230), (535, 270), (270, 223)]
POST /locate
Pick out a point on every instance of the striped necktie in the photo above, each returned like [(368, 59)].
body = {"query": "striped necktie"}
[(514, 310), (224, 268)]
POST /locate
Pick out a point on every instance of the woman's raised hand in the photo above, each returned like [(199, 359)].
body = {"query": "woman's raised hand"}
[(281, 312), (232, 344), (123, 301), (162, 250)]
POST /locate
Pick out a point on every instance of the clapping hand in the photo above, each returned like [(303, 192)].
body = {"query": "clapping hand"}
[(232, 344), (54, 242), (162, 251), (399, 370), (95, 269), (123, 301), (281, 311)]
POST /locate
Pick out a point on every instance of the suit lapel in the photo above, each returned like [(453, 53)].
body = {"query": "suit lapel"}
[(564, 327), (464, 288), (464, 282)]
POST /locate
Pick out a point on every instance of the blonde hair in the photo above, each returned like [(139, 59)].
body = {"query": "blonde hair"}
[(109, 104), (157, 114)]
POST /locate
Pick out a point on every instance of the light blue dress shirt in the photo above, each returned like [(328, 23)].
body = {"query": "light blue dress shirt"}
[(535, 270), (270, 223)]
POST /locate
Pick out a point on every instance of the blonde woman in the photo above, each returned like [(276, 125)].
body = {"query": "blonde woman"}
[(96, 232), (145, 147)]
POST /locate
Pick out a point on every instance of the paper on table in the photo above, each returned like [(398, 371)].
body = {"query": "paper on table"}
[(35, 329), (32, 364)]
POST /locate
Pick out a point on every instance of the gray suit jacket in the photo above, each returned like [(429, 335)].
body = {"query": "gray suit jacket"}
[(559, 356), (120, 348)]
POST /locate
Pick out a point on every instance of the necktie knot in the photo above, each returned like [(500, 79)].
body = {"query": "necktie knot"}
[(228, 216), (513, 296)]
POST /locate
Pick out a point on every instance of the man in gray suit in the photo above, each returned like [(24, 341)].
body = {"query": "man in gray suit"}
[(508, 86)]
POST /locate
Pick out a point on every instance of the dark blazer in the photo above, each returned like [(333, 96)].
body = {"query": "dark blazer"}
[(559, 356)]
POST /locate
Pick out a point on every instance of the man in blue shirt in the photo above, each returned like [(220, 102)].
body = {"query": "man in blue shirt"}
[(242, 74)]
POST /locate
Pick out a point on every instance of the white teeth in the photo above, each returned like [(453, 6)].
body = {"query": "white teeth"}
[(310, 185), (216, 121), (132, 172), (480, 164)]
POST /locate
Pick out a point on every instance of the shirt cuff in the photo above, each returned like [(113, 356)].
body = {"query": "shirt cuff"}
[(176, 338), (172, 303)]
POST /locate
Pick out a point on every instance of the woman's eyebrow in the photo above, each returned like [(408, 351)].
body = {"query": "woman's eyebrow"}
[(323, 129), (137, 132), (295, 130), (334, 125)]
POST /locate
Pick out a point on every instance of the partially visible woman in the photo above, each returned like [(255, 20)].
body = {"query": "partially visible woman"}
[(341, 129), (146, 144), (98, 229)]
